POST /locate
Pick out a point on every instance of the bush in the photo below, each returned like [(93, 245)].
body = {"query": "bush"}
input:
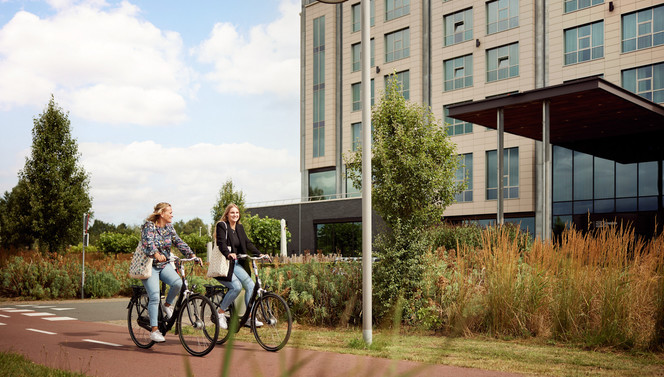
[(265, 233), (101, 284), (197, 243), (118, 242)]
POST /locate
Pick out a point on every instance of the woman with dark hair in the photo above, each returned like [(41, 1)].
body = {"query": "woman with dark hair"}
[(157, 236), (232, 240)]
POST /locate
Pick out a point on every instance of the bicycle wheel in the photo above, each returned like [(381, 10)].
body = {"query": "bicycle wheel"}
[(138, 322), (216, 299), (273, 311), (198, 325)]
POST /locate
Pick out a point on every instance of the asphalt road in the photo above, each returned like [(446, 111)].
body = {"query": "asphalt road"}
[(89, 337)]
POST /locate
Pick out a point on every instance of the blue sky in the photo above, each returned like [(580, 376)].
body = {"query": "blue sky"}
[(167, 99)]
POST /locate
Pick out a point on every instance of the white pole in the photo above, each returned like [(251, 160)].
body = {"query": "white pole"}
[(85, 230), (283, 238), (366, 174)]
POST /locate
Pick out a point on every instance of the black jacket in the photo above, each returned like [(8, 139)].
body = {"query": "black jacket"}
[(223, 240)]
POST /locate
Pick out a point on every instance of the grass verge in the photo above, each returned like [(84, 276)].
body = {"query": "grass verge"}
[(14, 365)]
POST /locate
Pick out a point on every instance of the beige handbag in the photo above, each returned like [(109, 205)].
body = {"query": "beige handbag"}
[(141, 264), (218, 266)]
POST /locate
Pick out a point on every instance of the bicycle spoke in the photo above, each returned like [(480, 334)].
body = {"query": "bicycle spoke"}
[(198, 326), (275, 315), (138, 322)]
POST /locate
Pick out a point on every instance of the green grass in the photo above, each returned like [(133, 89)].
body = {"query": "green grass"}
[(14, 365)]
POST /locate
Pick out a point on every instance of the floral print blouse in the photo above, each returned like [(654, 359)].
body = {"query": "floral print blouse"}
[(154, 238)]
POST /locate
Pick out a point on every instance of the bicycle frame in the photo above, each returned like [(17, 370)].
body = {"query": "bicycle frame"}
[(257, 293)]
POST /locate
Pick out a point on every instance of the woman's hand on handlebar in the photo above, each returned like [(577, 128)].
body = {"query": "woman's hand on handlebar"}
[(232, 256), (160, 257)]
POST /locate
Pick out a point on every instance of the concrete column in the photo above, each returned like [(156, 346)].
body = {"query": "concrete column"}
[(500, 218)]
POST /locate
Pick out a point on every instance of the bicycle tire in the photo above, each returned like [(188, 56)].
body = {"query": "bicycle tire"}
[(138, 321), (198, 325), (275, 314), (224, 334)]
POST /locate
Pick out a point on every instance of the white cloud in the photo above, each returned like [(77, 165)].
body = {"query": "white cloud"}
[(103, 63), (128, 180), (267, 60)]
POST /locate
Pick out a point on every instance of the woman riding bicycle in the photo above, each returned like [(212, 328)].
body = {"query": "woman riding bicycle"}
[(157, 236), (232, 240)]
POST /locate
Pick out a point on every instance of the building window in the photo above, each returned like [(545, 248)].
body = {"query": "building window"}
[(322, 185), (356, 56), (501, 15), (403, 79), (356, 135), (356, 90), (572, 5), (455, 126), (584, 43), (397, 45), (458, 27), (465, 174), (356, 16), (458, 72), (319, 88), (340, 238), (643, 29), (502, 62), (396, 8), (510, 174), (647, 81)]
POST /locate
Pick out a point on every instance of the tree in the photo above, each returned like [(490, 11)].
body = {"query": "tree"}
[(57, 186), (265, 233), (227, 195), (193, 226), (15, 228), (413, 164)]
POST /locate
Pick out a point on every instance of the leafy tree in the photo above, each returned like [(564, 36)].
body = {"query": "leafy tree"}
[(413, 181), (97, 228), (265, 233), (193, 226), (15, 228), (227, 195), (57, 186)]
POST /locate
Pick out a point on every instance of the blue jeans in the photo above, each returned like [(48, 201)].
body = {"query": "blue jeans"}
[(239, 279), (151, 284)]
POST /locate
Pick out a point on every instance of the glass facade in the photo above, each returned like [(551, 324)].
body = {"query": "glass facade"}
[(319, 88), (340, 238), (322, 185)]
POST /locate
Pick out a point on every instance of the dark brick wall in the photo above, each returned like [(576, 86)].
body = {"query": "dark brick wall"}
[(301, 219)]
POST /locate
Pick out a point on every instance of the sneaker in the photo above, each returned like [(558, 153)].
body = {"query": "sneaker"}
[(156, 336), (168, 311), (258, 323), (222, 321)]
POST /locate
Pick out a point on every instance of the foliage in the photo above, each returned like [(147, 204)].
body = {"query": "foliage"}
[(118, 242), (197, 243), (451, 237), (98, 227), (101, 284), (56, 185), (193, 226), (265, 233), (413, 162), (227, 195), (15, 225)]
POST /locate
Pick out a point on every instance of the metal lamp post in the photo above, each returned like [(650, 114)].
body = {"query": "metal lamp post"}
[(366, 170)]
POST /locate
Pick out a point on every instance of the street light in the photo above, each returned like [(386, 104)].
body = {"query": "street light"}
[(366, 169)]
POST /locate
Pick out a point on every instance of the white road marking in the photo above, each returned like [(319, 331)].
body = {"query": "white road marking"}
[(3, 324), (63, 308), (43, 306), (4, 316), (38, 314), (100, 342), (60, 319), (42, 331), (12, 310)]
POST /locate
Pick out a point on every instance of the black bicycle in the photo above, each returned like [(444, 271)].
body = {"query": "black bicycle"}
[(195, 317), (264, 307)]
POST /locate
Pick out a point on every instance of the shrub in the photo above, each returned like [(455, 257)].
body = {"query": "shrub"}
[(101, 284), (118, 242), (197, 243), (265, 233)]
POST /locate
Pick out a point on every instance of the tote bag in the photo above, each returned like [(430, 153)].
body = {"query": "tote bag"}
[(141, 264), (219, 266)]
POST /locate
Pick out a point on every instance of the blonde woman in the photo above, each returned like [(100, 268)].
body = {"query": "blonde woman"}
[(157, 236), (232, 240)]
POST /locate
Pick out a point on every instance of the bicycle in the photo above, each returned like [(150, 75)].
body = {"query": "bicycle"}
[(195, 317), (264, 306)]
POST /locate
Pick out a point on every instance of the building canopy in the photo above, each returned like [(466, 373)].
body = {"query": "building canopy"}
[(588, 115)]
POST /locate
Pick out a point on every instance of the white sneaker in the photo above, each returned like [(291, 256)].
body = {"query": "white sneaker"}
[(222, 320), (258, 323), (156, 336), (168, 310)]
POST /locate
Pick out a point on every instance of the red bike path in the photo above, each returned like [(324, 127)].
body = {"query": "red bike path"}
[(102, 349)]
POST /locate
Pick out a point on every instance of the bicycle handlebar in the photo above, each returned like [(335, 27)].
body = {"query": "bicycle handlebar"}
[(247, 256), (174, 258)]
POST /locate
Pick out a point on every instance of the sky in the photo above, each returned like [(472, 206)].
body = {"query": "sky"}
[(168, 99)]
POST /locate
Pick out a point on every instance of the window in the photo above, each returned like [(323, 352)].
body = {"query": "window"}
[(397, 45), (647, 81), (572, 5), (458, 27), (356, 56), (396, 8), (465, 174), (356, 16), (501, 15), (502, 62), (356, 135), (643, 29), (319, 88), (458, 72), (340, 238), (584, 43), (356, 90), (322, 185), (455, 126), (403, 80), (510, 174)]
